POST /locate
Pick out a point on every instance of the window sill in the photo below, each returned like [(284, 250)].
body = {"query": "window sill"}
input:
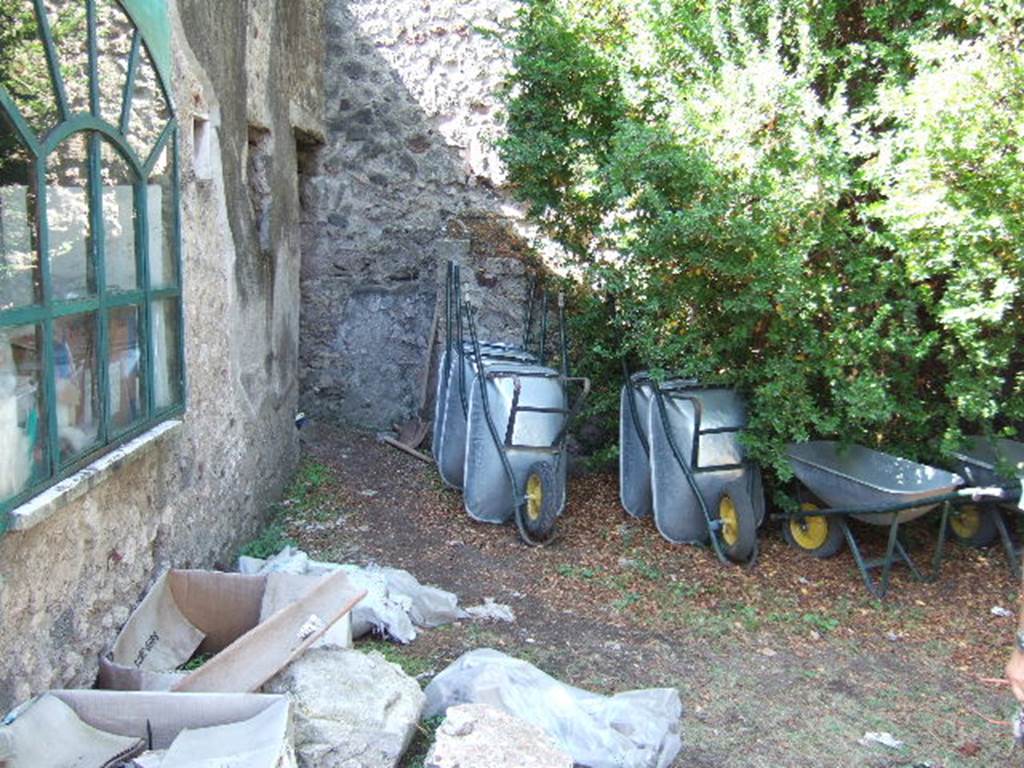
[(52, 500)]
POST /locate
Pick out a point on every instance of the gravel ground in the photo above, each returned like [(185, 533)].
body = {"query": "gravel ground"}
[(786, 664)]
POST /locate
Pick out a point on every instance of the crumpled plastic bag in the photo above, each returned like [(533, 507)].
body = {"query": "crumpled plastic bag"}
[(395, 603), (634, 729)]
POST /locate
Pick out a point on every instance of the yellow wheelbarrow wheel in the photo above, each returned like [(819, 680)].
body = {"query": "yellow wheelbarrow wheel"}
[(536, 516), (973, 526), (737, 519), (817, 535)]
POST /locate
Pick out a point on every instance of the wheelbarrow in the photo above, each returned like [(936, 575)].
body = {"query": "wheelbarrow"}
[(681, 461), (456, 371), (858, 483), (515, 463), (988, 462)]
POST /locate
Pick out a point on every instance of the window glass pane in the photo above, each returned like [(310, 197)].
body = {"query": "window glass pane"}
[(161, 219), (68, 26), (23, 68), (19, 265), (114, 34), (150, 112), (123, 368), (23, 457), (166, 360), (74, 364), (67, 219), (118, 221)]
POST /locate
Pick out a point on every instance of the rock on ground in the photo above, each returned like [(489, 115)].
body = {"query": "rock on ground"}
[(482, 736), (351, 709)]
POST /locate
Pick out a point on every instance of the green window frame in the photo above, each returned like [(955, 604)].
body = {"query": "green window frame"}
[(91, 310)]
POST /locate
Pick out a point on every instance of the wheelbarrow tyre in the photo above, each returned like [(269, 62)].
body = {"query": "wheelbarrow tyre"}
[(738, 514), (973, 525), (819, 536), (536, 517)]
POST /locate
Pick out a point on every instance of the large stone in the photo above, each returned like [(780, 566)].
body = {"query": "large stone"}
[(482, 736), (351, 709)]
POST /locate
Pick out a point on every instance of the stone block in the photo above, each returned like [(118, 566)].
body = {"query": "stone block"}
[(350, 709)]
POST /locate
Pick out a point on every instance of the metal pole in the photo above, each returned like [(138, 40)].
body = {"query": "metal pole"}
[(562, 338), (543, 329)]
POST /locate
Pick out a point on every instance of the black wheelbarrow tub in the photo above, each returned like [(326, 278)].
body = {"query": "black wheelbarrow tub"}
[(855, 476)]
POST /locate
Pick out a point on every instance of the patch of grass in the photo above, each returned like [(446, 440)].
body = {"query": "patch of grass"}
[(305, 493), (410, 663), (625, 601), (576, 571), (823, 624), (645, 569), (422, 740), (271, 541), (196, 662)]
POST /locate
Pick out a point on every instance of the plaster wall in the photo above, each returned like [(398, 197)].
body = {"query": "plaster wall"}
[(68, 584), (407, 179)]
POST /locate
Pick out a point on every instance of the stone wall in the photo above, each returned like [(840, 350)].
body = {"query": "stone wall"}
[(67, 584), (407, 180)]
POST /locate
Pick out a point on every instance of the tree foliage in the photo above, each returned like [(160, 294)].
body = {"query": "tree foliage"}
[(815, 201)]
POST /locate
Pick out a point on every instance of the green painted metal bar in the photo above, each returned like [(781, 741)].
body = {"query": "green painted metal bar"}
[(94, 70), (52, 60), (145, 319), (25, 132), (81, 123), (74, 306), (151, 19), (179, 271), (165, 135), (22, 316), (129, 83), (99, 255), (119, 299), (165, 293), (49, 376)]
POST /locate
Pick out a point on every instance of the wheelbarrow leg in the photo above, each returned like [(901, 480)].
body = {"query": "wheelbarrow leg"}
[(894, 549), (1009, 546), (862, 565), (890, 550)]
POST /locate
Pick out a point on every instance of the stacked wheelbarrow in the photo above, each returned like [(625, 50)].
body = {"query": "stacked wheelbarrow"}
[(681, 461), (501, 420)]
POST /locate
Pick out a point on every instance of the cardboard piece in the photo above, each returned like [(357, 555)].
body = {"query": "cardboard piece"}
[(196, 729), (269, 647), (219, 613), (47, 733)]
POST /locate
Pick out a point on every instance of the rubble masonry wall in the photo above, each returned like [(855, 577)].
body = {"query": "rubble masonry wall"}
[(407, 180)]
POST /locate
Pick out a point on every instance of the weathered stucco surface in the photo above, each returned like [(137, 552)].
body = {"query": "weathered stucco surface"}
[(407, 180), (68, 584)]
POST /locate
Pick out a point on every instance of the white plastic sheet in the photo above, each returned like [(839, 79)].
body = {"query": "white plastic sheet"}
[(634, 729), (395, 603)]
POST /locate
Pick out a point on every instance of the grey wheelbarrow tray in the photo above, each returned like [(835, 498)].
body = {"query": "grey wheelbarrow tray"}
[(634, 445), (994, 462), (518, 421), (697, 464), (875, 488), (460, 375), (528, 438)]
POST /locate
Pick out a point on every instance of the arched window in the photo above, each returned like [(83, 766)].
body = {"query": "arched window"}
[(90, 275)]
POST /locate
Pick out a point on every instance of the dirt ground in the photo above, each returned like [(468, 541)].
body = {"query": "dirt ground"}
[(786, 664)]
